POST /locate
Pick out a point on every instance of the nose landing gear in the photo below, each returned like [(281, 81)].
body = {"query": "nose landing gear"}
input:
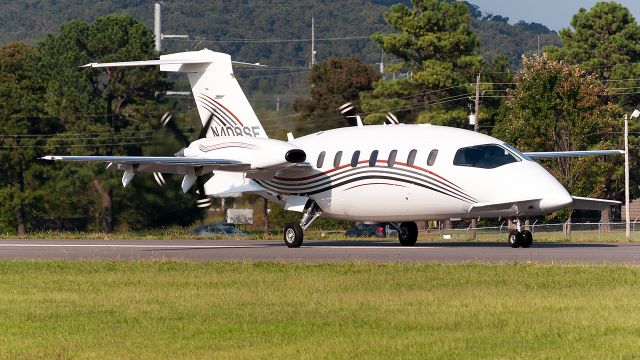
[(408, 234), (294, 232), (520, 238)]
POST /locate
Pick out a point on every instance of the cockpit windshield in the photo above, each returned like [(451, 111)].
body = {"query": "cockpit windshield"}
[(488, 156)]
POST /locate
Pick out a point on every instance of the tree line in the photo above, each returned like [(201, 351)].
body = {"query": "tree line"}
[(568, 97)]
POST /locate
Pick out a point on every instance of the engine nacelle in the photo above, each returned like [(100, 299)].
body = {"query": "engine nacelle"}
[(260, 154)]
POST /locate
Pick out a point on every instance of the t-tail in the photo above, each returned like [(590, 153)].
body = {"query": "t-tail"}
[(222, 105)]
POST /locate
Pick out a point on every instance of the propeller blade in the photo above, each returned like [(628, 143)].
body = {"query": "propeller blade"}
[(203, 200), (159, 178), (165, 118), (349, 112), (205, 128), (392, 119), (166, 122)]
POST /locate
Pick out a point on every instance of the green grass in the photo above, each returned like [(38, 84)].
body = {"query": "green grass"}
[(168, 310)]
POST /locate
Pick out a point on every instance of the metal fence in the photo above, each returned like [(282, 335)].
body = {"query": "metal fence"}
[(614, 231)]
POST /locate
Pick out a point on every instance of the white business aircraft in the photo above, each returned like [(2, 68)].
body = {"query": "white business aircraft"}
[(384, 173)]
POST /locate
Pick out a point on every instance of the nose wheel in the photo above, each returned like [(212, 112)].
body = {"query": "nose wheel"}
[(408, 233), (520, 238)]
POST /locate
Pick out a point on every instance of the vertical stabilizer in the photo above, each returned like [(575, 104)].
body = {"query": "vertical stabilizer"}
[(221, 103)]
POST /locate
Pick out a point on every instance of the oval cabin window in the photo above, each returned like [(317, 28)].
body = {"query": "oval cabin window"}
[(337, 159), (321, 159), (432, 157), (354, 158), (411, 159), (392, 158), (373, 158)]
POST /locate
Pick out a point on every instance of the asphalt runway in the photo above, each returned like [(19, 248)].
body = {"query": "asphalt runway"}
[(315, 251)]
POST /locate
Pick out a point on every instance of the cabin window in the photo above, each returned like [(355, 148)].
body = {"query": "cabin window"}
[(321, 159), (484, 156), (432, 157), (411, 159), (354, 158), (336, 160), (373, 158), (392, 158)]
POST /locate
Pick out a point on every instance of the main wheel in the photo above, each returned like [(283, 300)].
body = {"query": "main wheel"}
[(408, 234), (515, 238), (293, 235), (527, 238)]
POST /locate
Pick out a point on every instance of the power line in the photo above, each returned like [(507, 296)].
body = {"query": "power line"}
[(74, 145), (260, 41)]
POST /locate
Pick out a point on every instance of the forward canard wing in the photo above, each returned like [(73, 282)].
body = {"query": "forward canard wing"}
[(562, 154), (515, 206), (583, 203)]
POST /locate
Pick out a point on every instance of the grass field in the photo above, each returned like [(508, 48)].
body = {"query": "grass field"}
[(169, 310)]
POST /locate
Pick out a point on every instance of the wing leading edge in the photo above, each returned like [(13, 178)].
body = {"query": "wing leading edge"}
[(190, 167), (158, 163)]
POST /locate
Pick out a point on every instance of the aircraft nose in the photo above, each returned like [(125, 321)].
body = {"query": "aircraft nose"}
[(555, 197)]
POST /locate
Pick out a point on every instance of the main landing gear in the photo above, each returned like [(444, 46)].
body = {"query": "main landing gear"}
[(294, 232), (408, 233), (519, 237)]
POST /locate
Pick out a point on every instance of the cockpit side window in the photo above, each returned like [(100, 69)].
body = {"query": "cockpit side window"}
[(515, 151), (488, 156)]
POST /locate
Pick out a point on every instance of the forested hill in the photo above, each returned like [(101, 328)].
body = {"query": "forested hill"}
[(277, 21)]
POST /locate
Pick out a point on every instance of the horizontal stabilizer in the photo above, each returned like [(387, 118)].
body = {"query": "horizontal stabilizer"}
[(165, 62), (582, 203), (145, 63), (561, 154)]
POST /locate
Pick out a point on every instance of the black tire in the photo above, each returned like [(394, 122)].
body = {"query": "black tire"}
[(293, 235), (527, 238), (408, 234), (515, 238)]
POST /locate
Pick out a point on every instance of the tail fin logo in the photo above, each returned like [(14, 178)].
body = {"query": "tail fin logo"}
[(225, 122)]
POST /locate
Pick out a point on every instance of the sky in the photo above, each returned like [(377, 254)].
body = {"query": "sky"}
[(555, 14)]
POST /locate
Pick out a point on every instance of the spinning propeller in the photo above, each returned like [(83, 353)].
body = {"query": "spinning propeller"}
[(350, 113), (203, 200)]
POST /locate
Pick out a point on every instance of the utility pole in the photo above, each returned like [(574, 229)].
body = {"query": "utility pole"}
[(382, 62), (156, 26), (476, 127), (278, 104), (626, 177), (313, 41)]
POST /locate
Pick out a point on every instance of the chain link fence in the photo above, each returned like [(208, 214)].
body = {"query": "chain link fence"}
[(578, 232)]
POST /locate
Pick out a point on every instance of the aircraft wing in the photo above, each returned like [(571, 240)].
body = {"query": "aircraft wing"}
[(163, 164), (561, 154), (583, 203)]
